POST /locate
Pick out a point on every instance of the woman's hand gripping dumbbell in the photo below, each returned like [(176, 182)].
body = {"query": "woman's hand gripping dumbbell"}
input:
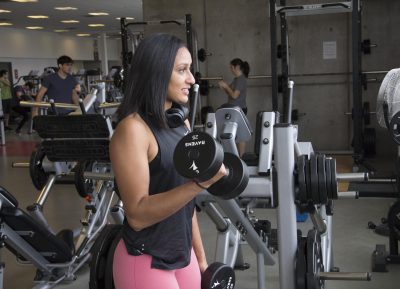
[(198, 156)]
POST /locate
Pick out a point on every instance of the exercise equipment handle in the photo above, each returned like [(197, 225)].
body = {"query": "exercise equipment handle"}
[(345, 276), (20, 165), (194, 107), (350, 177)]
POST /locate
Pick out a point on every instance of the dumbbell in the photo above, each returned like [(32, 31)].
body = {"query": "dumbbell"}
[(218, 276), (199, 156)]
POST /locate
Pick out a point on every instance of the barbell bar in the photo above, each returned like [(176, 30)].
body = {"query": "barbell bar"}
[(261, 76)]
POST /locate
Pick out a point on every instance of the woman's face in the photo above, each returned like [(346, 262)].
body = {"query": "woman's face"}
[(235, 70), (181, 79)]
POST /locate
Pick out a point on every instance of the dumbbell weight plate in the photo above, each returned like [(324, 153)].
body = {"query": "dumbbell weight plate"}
[(314, 179), (232, 185), (323, 193), (198, 156), (218, 276)]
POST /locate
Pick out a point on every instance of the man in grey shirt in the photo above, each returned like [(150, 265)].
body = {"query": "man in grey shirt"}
[(60, 86)]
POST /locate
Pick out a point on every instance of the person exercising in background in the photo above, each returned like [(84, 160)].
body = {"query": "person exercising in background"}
[(60, 86), (5, 97), (161, 245), (237, 90)]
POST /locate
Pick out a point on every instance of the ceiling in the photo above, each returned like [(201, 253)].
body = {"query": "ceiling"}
[(115, 8)]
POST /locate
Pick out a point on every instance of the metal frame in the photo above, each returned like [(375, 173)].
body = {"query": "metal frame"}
[(283, 11)]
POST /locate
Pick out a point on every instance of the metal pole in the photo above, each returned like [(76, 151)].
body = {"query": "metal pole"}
[(286, 211), (274, 65), (284, 61), (357, 92)]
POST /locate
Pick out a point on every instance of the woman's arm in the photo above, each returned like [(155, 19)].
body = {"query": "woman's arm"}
[(198, 244), (129, 153), (232, 93)]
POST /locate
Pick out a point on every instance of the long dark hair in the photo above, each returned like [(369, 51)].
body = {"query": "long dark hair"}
[(149, 75), (244, 66)]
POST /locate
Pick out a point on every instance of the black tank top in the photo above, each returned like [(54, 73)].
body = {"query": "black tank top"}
[(169, 242)]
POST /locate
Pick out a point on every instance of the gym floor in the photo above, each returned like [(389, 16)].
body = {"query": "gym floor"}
[(353, 242)]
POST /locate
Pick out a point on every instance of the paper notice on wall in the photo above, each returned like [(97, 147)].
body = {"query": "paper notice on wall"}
[(329, 50)]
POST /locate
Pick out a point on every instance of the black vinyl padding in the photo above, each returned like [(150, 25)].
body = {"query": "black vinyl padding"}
[(53, 248)]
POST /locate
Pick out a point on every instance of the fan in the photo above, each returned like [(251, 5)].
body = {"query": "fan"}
[(389, 93)]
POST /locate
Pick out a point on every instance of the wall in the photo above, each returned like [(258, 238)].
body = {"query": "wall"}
[(237, 28), (35, 50)]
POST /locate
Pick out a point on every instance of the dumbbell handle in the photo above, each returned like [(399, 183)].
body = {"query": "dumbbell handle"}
[(345, 276), (349, 177)]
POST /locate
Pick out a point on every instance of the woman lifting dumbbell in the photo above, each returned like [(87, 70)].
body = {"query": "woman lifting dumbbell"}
[(237, 90), (161, 241)]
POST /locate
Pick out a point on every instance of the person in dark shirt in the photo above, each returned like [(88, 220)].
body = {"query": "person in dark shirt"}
[(161, 243), (22, 92), (237, 90), (60, 86)]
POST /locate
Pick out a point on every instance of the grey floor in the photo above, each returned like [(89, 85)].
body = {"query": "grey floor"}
[(353, 243)]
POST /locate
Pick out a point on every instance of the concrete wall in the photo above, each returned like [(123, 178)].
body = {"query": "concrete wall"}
[(238, 28)]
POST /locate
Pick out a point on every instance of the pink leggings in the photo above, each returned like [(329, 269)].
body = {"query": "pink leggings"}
[(135, 272)]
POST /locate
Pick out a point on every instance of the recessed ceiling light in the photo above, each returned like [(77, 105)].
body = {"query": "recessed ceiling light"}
[(24, 1), (127, 18), (65, 8), (5, 24), (34, 27), (83, 34), (69, 21), (96, 25), (4, 11), (61, 30), (38, 16), (98, 13)]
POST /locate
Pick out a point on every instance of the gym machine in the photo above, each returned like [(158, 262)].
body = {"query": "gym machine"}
[(282, 183), (74, 145)]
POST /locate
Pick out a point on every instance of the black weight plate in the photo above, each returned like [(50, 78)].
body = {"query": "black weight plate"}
[(308, 179), (198, 156), (314, 261), (394, 218), (301, 264), (232, 185), (302, 195), (334, 186), (314, 179), (38, 175), (394, 128), (84, 186), (218, 276), (100, 252), (328, 177), (323, 193)]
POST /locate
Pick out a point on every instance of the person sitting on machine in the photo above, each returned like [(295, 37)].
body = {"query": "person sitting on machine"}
[(22, 92), (161, 241)]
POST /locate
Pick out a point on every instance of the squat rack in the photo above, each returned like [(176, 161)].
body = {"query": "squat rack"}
[(353, 6)]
